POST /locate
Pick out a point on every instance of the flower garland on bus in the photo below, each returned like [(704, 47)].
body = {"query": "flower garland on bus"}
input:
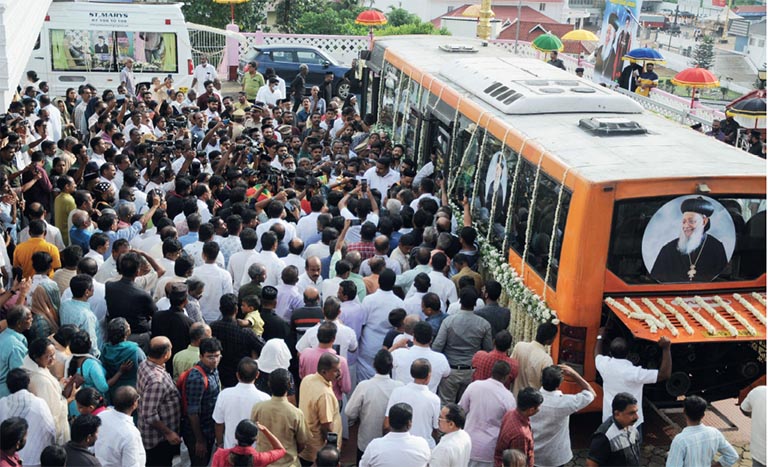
[(553, 235), (729, 309), (674, 312), (695, 315), (718, 317), (637, 313), (661, 317), (750, 307), (759, 298), (497, 266), (531, 210)]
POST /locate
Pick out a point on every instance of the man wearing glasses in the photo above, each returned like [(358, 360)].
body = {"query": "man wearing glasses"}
[(199, 393)]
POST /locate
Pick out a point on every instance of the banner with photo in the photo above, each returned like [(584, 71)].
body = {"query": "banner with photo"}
[(618, 33)]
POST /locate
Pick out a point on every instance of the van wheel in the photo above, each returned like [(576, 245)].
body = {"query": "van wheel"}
[(343, 88)]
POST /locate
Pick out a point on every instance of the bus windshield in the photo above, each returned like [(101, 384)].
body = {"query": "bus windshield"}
[(691, 238)]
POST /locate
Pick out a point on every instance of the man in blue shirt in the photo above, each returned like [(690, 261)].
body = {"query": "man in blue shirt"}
[(79, 234), (697, 444), (13, 344), (78, 311)]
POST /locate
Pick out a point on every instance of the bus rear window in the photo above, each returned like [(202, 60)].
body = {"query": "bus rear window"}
[(95, 50), (686, 239)]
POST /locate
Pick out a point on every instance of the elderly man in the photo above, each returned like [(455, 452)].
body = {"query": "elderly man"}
[(120, 441), (159, 407), (695, 256)]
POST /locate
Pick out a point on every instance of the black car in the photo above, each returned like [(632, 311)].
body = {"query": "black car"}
[(285, 59)]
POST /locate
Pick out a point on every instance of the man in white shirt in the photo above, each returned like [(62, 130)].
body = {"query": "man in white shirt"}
[(439, 284), (411, 451), (425, 404), (22, 403), (381, 244), (311, 276), (52, 233), (307, 225), (270, 93), (276, 211), (217, 282), (382, 176), (551, 438), (119, 441), (426, 190), (754, 406), (346, 338), (234, 402), (404, 357), (269, 259), (237, 262), (294, 258), (203, 72), (455, 444), (368, 402), (620, 375), (376, 308)]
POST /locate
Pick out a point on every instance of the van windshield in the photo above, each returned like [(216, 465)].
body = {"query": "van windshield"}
[(98, 50), (690, 238)]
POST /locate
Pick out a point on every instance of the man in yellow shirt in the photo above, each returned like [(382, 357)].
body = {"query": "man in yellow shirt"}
[(22, 256), (252, 82), (320, 406)]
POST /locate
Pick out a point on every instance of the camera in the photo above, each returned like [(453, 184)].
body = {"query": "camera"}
[(332, 438), (240, 147), (176, 123)]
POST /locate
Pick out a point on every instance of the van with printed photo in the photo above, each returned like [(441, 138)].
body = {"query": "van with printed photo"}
[(88, 42)]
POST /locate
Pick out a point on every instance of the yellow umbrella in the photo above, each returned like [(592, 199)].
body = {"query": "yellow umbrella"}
[(580, 35), (473, 11), (231, 4)]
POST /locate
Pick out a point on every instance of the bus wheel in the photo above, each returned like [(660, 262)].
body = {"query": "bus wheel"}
[(678, 384)]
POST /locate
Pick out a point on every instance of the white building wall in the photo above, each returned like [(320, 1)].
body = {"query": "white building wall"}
[(20, 24)]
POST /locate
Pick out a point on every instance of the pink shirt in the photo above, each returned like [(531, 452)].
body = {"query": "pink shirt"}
[(485, 402), (308, 359)]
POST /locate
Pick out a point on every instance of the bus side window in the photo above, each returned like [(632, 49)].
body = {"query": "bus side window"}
[(521, 204), (37, 43)]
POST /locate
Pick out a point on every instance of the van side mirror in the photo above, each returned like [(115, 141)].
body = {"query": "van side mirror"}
[(326, 63)]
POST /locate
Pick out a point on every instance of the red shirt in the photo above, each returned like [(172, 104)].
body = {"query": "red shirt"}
[(221, 457), (515, 433), (10, 461), (483, 363)]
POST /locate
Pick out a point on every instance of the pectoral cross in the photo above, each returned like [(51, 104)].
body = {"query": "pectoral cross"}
[(691, 272)]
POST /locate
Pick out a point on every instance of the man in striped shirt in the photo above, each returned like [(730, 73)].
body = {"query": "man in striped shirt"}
[(697, 444)]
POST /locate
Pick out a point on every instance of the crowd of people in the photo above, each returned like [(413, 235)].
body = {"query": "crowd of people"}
[(254, 280)]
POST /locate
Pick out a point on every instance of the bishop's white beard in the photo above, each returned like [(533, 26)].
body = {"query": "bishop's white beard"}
[(686, 245)]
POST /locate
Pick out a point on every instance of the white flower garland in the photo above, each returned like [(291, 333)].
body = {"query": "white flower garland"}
[(759, 298), (636, 313), (660, 316), (531, 208), (742, 320), (718, 317), (481, 159), (695, 315), (553, 235), (749, 307), (679, 316), (512, 194), (396, 101)]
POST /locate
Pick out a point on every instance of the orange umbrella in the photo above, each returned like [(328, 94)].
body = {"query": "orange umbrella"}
[(696, 78), (231, 4), (371, 18)]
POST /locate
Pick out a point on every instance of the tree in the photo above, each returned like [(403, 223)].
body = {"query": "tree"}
[(249, 16), (401, 16), (704, 53)]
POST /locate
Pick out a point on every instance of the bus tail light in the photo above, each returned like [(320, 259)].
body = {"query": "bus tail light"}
[(573, 342), (190, 66)]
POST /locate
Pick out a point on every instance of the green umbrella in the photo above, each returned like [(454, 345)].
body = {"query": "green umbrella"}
[(547, 43)]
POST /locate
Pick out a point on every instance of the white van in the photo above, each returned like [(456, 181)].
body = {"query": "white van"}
[(88, 42)]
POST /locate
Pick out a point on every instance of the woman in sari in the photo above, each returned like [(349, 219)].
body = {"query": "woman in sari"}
[(44, 385)]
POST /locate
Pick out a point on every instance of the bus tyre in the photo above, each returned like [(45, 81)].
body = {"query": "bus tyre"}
[(749, 370), (678, 384), (343, 88)]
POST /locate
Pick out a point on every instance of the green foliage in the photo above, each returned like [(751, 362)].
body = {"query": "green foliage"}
[(704, 53), (400, 16), (249, 16), (322, 17)]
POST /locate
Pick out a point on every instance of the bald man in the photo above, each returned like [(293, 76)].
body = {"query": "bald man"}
[(381, 245), (159, 407), (120, 442), (311, 276), (307, 316)]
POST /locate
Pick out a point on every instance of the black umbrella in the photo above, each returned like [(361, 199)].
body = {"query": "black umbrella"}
[(752, 107)]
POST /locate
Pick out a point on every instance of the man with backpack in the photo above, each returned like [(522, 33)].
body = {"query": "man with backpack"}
[(200, 387)]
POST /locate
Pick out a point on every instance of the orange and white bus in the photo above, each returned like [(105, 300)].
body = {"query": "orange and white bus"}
[(606, 211)]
